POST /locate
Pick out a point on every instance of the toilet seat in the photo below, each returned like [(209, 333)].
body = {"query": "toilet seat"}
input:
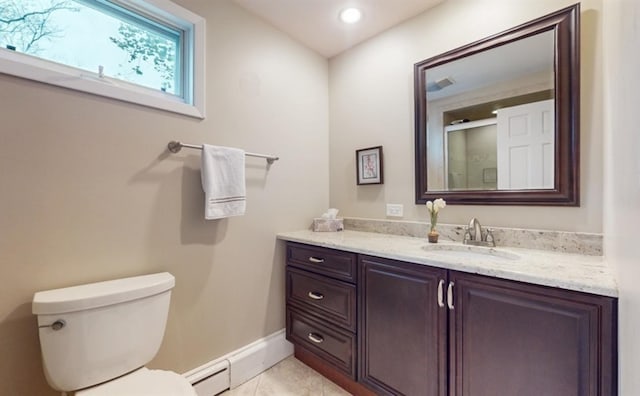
[(143, 382)]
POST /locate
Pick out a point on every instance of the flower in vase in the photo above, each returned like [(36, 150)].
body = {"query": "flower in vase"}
[(434, 208)]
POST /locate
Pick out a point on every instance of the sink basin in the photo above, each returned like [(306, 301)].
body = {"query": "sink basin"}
[(470, 251)]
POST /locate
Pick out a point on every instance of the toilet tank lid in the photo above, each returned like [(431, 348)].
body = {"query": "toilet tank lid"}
[(100, 294)]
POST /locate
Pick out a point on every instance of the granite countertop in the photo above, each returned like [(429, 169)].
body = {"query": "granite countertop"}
[(589, 274)]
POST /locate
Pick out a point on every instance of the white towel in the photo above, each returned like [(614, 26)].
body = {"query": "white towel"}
[(223, 181)]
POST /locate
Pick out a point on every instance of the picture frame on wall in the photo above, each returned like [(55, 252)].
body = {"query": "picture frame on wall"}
[(369, 166)]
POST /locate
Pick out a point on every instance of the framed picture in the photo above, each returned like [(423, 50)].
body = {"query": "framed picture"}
[(369, 165)]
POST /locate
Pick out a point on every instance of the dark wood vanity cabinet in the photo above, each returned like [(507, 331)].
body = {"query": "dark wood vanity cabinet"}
[(321, 305), (420, 330), (429, 331)]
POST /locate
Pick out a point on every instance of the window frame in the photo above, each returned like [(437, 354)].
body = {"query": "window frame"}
[(192, 102)]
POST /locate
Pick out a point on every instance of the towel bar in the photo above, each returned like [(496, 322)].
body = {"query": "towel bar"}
[(175, 147)]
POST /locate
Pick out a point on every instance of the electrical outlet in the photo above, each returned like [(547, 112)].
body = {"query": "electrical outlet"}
[(394, 210)]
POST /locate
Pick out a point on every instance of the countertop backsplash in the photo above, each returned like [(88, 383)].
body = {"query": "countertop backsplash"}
[(555, 241)]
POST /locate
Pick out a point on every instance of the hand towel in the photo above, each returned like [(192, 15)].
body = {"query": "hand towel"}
[(223, 181)]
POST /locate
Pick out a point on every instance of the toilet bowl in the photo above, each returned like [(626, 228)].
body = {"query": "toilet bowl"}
[(96, 338), (143, 382)]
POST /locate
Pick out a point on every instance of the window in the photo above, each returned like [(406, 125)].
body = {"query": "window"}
[(146, 52)]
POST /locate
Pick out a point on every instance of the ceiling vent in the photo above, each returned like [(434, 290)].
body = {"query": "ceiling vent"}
[(434, 86)]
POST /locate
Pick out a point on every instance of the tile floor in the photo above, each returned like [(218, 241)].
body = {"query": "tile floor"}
[(290, 377)]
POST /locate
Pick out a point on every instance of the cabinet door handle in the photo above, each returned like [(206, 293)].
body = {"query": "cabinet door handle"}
[(317, 338), (441, 293), (315, 295), (316, 260), (450, 295)]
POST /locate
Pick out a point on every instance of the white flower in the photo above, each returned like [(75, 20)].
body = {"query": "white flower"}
[(436, 205), (433, 208)]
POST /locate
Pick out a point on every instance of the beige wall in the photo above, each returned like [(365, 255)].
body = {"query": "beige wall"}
[(371, 92), (622, 176), (88, 193)]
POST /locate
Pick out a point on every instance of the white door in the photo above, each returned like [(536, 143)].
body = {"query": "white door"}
[(526, 146)]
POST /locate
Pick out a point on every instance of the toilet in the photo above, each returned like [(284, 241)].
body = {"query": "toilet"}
[(96, 338)]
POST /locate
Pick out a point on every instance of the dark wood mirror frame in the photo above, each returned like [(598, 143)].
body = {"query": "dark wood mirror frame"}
[(566, 192)]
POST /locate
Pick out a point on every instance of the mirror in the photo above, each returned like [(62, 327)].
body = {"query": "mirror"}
[(497, 121)]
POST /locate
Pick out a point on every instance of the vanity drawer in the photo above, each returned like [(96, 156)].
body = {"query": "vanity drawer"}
[(324, 297), (334, 263), (337, 347)]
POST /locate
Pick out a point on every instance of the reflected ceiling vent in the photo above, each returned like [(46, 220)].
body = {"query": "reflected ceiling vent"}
[(439, 84)]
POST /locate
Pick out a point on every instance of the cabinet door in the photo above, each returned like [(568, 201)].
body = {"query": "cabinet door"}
[(513, 339), (402, 329)]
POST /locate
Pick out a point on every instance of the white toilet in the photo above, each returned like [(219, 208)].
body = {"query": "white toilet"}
[(96, 338)]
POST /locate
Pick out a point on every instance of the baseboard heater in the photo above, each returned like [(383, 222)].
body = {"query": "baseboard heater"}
[(240, 365), (212, 380)]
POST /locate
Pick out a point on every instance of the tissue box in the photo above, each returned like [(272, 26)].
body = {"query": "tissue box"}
[(327, 225)]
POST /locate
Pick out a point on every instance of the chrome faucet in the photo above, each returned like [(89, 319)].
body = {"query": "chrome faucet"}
[(473, 235)]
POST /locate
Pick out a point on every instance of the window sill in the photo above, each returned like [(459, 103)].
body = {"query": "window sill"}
[(32, 68)]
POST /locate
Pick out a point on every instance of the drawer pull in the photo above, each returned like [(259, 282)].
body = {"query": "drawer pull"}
[(316, 260), (315, 295), (317, 338)]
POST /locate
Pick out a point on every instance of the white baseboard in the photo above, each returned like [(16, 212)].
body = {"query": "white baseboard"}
[(258, 356), (239, 366)]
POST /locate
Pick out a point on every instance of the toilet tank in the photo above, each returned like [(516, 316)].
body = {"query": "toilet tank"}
[(109, 328)]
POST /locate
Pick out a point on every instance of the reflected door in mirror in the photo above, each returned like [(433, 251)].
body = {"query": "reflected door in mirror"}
[(525, 146)]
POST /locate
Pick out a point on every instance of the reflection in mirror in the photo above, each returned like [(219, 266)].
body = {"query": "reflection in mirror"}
[(497, 87), (496, 121), (471, 156)]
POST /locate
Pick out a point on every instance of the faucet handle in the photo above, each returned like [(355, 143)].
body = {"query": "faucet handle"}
[(489, 237)]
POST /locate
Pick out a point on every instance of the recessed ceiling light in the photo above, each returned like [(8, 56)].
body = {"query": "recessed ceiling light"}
[(350, 15)]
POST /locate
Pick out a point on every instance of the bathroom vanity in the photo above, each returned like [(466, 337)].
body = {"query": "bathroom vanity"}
[(385, 314)]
